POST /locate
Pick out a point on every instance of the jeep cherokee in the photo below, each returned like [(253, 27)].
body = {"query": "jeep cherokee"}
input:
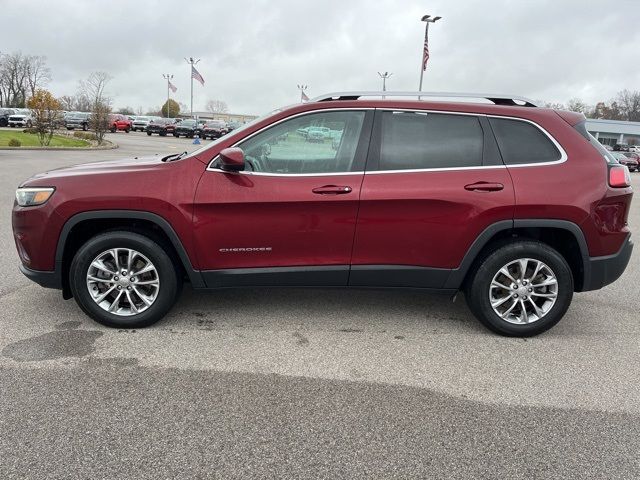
[(517, 206)]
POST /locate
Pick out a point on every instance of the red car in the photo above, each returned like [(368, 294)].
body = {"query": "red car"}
[(514, 205), (119, 122), (214, 129), (631, 160)]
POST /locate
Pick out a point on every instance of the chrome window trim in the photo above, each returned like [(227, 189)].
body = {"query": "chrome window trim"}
[(563, 153), (271, 174), (265, 174), (442, 169)]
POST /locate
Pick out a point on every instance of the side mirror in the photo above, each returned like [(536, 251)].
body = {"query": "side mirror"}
[(232, 159)]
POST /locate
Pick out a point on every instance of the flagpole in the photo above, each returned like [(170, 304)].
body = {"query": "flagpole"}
[(191, 62), (427, 19), (168, 77)]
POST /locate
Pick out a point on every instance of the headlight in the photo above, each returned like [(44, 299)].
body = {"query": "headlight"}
[(31, 196)]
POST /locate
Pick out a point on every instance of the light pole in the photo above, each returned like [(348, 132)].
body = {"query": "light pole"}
[(384, 76), (167, 77), (303, 95), (191, 62), (425, 49)]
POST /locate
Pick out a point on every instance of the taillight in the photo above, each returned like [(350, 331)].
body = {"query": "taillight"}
[(619, 176)]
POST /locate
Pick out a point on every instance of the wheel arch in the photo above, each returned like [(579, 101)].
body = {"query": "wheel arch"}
[(562, 235), (87, 224)]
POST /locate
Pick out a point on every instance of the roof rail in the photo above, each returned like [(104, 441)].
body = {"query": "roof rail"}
[(498, 99)]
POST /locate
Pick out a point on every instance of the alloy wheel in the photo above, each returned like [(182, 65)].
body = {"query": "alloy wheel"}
[(123, 282), (523, 291)]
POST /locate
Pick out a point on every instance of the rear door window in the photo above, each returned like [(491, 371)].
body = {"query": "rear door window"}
[(425, 140), (523, 143)]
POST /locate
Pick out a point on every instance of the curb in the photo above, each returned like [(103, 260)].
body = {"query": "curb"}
[(111, 146)]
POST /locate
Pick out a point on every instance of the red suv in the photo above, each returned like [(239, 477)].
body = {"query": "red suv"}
[(119, 122), (516, 206)]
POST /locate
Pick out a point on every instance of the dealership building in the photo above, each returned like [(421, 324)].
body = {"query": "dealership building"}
[(610, 132)]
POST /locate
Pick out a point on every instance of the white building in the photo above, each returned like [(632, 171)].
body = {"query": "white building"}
[(610, 132)]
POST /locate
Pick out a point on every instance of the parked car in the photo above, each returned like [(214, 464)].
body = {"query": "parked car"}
[(629, 159), (450, 202), (232, 125), (5, 113), (214, 129), (608, 147), (119, 123), (187, 128), (162, 126), (141, 123), (77, 120), (317, 134), (21, 118), (621, 147)]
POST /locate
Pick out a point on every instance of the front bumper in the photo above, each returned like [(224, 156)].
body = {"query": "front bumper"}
[(44, 279), (601, 271)]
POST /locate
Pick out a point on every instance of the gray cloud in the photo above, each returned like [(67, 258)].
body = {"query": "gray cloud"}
[(255, 52)]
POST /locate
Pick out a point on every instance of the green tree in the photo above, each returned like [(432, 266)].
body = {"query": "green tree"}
[(170, 109), (46, 112)]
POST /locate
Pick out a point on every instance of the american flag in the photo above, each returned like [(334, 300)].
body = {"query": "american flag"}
[(195, 74), (172, 86), (425, 53)]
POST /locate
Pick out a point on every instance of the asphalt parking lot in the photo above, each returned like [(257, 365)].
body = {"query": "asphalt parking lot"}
[(309, 383)]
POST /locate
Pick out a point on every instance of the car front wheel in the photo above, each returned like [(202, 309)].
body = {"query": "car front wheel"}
[(521, 289), (123, 279)]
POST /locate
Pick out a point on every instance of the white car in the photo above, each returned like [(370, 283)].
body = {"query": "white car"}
[(21, 118), (634, 148), (141, 123)]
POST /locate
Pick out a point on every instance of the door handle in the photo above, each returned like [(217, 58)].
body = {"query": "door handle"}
[(484, 187), (332, 190)]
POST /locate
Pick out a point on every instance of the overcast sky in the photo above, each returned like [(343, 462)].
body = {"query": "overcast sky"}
[(253, 53)]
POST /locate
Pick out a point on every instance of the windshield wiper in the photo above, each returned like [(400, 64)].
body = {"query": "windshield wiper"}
[(173, 156)]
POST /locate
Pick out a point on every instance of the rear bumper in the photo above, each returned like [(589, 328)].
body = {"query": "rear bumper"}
[(44, 279), (602, 271)]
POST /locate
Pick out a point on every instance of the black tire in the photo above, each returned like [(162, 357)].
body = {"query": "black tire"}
[(84, 128), (127, 130), (29, 124), (149, 133), (477, 289), (170, 281), (176, 135), (163, 134)]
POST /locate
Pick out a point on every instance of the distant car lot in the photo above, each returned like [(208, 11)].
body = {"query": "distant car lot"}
[(409, 384)]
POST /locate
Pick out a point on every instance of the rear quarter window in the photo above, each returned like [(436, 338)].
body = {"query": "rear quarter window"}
[(523, 143)]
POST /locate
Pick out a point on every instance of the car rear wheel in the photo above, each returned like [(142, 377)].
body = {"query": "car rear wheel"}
[(123, 279), (149, 133), (521, 289)]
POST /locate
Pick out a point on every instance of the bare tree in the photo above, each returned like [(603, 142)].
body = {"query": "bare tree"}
[(217, 106), (555, 105), (20, 77), (577, 105), (37, 72), (93, 88), (629, 103)]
